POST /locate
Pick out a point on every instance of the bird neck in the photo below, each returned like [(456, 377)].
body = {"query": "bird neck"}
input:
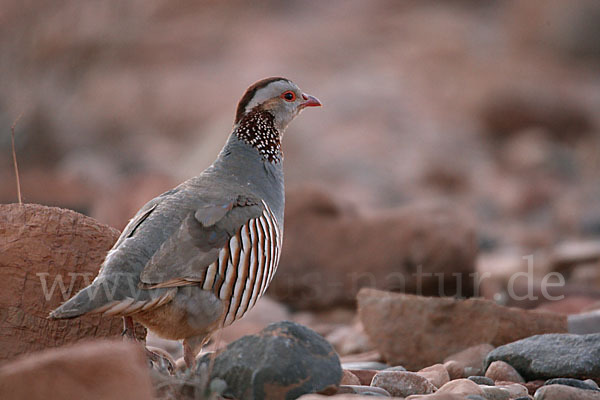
[(241, 164), (257, 129)]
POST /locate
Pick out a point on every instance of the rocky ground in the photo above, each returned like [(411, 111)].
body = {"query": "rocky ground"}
[(457, 155)]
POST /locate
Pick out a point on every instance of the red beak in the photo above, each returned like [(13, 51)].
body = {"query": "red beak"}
[(311, 101)]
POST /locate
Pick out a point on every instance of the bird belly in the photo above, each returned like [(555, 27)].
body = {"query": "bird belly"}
[(192, 312)]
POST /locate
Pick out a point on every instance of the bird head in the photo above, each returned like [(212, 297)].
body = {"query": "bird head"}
[(280, 97)]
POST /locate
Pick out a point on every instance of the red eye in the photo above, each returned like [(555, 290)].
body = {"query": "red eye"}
[(288, 96)]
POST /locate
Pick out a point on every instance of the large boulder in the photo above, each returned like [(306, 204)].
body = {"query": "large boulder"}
[(47, 254), (416, 331), (552, 356), (93, 370), (331, 250), (284, 361)]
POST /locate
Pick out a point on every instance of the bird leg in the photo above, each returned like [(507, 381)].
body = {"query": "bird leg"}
[(189, 355), (158, 359), (128, 329)]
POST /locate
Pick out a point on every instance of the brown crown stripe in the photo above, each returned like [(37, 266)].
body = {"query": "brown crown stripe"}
[(249, 94)]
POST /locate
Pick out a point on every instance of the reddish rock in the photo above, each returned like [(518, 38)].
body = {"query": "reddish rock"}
[(455, 370), (91, 370), (364, 375), (402, 383), (349, 251), (436, 374), (339, 396), (515, 390), (504, 372), (533, 386), (362, 390), (564, 392), (416, 331), (348, 378), (39, 247), (462, 387), (436, 396), (471, 359)]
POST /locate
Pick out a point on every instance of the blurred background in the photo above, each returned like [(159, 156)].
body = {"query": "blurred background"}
[(490, 107)]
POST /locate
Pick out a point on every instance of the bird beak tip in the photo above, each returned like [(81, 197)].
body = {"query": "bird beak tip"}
[(311, 101)]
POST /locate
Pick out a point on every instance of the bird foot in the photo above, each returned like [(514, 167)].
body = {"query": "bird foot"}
[(161, 359)]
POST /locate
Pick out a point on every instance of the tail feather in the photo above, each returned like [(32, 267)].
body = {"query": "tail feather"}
[(87, 300), (98, 299)]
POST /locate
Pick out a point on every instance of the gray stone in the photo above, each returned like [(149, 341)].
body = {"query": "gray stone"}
[(572, 382), (592, 383), (363, 390), (285, 360), (495, 393), (481, 380), (552, 356), (396, 368), (402, 383), (365, 365)]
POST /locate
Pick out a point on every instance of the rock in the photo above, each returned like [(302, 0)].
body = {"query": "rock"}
[(501, 371), (402, 383), (344, 396), (481, 380), (284, 360), (367, 357), (348, 251), (584, 323), (587, 384), (88, 370), (462, 387), (495, 393), (365, 390), (417, 331), (455, 370), (591, 383), (533, 386), (436, 374), (567, 255), (471, 358), (396, 368), (349, 340), (348, 378), (47, 255), (515, 390), (365, 376), (552, 356), (563, 392), (367, 365), (442, 396)]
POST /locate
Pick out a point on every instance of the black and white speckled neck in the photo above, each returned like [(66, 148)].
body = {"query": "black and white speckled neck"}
[(257, 128)]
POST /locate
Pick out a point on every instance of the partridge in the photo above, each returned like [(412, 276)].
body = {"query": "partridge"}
[(199, 256)]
